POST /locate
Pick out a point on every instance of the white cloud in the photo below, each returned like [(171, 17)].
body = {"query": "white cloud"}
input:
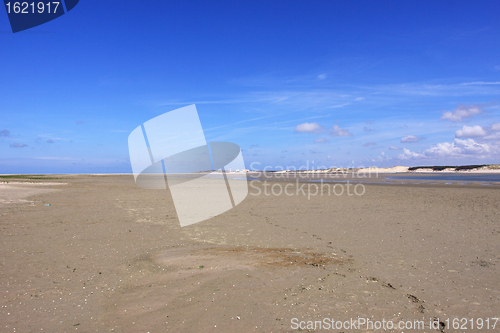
[(322, 76), (309, 128), (381, 157), (470, 146), (394, 148), (443, 149), (337, 131), (470, 132), (462, 111), (410, 138), (368, 144), (321, 140), (459, 147), (494, 136), (408, 154)]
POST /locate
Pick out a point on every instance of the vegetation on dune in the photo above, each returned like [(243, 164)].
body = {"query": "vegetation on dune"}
[(455, 168), (27, 177)]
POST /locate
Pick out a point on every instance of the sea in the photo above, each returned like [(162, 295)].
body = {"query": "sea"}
[(492, 177)]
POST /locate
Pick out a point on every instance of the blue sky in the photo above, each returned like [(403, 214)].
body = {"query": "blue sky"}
[(340, 83)]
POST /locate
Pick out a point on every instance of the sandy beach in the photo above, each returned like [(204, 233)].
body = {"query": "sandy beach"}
[(107, 255)]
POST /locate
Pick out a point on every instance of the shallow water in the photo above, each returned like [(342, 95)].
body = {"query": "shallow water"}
[(450, 177)]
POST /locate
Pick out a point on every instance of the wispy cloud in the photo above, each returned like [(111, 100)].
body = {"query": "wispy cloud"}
[(4, 133), (370, 144), (338, 131), (270, 81), (338, 106), (480, 83), (226, 101), (462, 111), (431, 90), (51, 158), (290, 101), (410, 139), (321, 140), (18, 145), (240, 122)]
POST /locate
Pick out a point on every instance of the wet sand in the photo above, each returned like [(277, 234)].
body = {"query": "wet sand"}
[(110, 256)]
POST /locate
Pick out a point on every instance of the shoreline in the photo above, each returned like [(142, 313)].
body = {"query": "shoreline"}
[(464, 169)]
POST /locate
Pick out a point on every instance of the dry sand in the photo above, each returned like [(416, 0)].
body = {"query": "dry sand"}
[(110, 256)]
